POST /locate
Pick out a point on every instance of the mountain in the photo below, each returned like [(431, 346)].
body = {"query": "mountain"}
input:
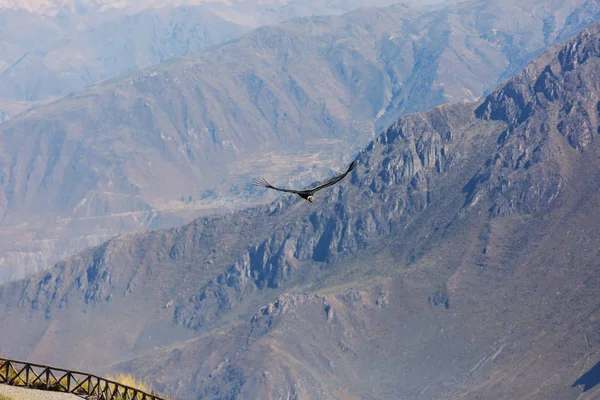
[(292, 102), (16, 38), (115, 47), (78, 43), (52, 48), (458, 260), (266, 8), (9, 109)]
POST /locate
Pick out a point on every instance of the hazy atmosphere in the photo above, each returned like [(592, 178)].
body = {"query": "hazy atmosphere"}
[(300, 199)]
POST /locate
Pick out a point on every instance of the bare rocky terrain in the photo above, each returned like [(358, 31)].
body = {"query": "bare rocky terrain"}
[(458, 260), (292, 102), (52, 48), (79, 52)]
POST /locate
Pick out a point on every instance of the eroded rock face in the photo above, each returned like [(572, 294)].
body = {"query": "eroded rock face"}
[(536, 125), (550, 101), (277, 296), (392, 184), (298, 85), (368, 206), (543, 109)]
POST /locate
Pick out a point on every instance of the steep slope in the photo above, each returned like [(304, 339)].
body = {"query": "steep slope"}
[(115, 47), (118, 46), (9, 109), (92, 41), (308, 94), (457, 261), (18, 36)]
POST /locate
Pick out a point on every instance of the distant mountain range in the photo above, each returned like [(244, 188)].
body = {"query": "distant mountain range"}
[(51, 48), (60, 55), (458, 260), (275, 9), (291, 102)]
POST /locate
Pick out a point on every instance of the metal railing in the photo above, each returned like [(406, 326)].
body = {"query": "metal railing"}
[(44, 377)]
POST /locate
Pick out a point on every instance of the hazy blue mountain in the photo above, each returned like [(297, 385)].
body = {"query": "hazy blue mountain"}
[(17, 36), (10, 108), (291, 102), (265, 11), (112, 48), (458, 260), (52, 48)]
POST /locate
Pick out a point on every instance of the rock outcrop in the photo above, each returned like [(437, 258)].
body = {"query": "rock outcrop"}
[(458, 256)]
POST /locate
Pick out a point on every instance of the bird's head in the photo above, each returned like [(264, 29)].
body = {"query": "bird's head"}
[(310, 199)]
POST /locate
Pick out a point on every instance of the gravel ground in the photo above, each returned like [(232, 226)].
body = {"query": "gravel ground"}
[(19, 393)]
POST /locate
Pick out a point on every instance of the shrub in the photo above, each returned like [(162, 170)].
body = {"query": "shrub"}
[(131, 381)]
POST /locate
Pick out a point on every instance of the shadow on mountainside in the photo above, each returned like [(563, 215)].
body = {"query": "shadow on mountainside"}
[(590, 379)]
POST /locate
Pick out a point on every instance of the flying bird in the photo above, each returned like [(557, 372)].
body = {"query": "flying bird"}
[(307, 194)]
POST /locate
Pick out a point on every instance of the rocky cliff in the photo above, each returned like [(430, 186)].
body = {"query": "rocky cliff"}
[(277, 102), (457, 260)]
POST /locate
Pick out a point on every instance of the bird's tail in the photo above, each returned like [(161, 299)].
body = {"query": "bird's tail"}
[(261, 182)]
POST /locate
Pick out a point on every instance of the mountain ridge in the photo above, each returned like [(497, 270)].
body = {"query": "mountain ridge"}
[(117, 145), (459, 250)]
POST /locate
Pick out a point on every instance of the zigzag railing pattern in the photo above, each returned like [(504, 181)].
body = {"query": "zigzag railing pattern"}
[(87, 386)]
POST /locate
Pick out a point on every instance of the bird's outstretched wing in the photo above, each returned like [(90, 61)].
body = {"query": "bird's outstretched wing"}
[(334, 180), (262, 182)]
